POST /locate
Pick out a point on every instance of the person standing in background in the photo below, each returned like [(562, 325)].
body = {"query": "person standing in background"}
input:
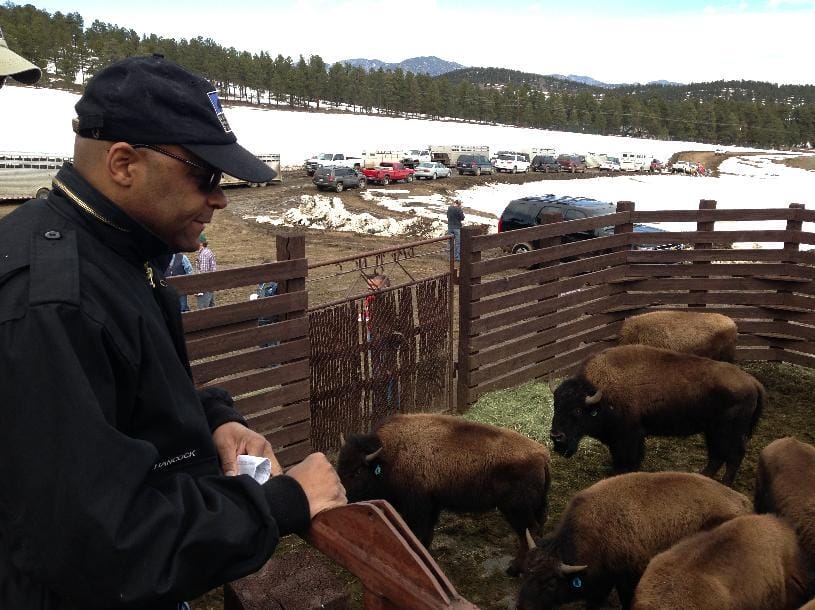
[(15, 66), (179, 265), (454, 217), (205, 261)]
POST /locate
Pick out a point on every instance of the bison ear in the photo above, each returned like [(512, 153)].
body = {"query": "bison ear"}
[(568, 570), (372, 456)]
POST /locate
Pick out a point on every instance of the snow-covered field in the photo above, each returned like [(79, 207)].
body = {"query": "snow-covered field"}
[(38, 120)]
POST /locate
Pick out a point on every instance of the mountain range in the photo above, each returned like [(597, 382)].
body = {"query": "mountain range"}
[(435, 66)]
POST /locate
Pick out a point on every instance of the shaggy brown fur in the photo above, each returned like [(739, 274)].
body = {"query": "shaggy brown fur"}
[(785, 485), (432, 462), (614, 527), (710, 335), (749, 563), (651, 391)]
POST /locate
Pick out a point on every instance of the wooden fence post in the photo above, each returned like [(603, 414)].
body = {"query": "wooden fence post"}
[(292, 247), (791, 246), (466, 280), (704, 204), (627, 227)]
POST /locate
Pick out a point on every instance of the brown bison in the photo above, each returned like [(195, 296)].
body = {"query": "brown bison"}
[(710, 335), (785, 485), (749, 563), (610, 531), (626, 393), (424, 463)]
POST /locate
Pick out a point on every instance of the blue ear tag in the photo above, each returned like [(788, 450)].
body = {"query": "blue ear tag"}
[(378, 470), (577, 582)]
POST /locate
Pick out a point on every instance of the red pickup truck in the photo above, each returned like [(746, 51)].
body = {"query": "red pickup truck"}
[(388, 172)]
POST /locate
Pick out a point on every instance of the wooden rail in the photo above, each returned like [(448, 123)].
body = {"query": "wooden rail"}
[(372, 541)]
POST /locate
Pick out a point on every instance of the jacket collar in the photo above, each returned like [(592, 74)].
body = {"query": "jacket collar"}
[(75, 198)]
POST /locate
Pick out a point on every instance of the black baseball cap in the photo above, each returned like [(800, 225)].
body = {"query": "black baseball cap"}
[(152, 100)]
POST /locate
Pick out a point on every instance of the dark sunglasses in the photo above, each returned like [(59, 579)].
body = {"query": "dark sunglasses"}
[(207, 182)]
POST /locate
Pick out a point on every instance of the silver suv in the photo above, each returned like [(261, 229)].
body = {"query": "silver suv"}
[(337, 178)]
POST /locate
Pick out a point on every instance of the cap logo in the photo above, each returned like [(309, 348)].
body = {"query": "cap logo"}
[(219, 111)]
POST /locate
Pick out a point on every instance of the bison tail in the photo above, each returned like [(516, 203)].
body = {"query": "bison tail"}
[(761, 399)]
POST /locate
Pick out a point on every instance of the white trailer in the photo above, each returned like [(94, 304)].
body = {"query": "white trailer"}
[(372, 158), (635, 162), (448, 155), (270, 159), (28, 175)]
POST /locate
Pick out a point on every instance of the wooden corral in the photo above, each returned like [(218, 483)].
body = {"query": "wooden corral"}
[(538, 314), (265, 368)]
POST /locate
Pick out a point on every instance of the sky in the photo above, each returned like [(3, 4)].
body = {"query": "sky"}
[(42, 124), (613, 42)]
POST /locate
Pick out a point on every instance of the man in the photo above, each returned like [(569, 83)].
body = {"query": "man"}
[(205, 261), (179, 265), (16, 67), (454, 217), (115, 486)]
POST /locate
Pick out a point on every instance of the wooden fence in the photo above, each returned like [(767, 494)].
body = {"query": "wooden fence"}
[(538, 314), (265, 368)]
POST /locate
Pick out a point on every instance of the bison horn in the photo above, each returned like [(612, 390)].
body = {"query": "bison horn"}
[(595, 398), (342, 439), (551, 383), (566, 569), (372, 456), (530, 542)]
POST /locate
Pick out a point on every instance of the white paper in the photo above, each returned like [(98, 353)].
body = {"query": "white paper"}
[(259, 468)]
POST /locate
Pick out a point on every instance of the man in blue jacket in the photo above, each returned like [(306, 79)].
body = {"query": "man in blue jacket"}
[(117, 486)]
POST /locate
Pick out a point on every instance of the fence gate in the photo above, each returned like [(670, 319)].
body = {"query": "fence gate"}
[(384, 347)]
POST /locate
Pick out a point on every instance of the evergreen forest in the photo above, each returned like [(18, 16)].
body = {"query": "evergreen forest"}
[(743, 113)]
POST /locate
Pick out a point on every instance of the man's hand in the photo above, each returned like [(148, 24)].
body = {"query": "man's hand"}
[(320, 482), (233, 439)]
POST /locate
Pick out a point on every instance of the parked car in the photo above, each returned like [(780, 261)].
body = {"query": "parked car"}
[(474, 164), (512, 162), (529, 211), (611, 164), (572, 163), (544, 163), (432, 170), (387, 172), (338, 178)]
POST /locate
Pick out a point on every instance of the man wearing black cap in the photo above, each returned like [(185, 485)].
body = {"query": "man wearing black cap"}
[(112, 465)]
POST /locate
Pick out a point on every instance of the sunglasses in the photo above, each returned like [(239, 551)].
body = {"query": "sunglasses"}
[(207, 182)]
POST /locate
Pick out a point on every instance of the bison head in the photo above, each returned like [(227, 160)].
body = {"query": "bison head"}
[(579, 411), (361, 468), (547, 581)]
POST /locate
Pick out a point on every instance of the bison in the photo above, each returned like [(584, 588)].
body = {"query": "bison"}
[(423, 463), (710, 335), (785, 485), (750, 563), (626, 393), (610, 531)]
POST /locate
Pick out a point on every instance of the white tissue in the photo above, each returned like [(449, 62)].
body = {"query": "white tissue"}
[(259, 468)]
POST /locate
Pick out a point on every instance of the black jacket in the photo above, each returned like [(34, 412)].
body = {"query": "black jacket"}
[(110, 487), (454, 217)]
